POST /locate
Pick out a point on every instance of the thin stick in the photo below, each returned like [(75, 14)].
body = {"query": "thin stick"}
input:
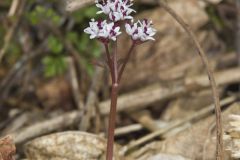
[(219, 145), (92, 98), (78, 98), (9, 35)]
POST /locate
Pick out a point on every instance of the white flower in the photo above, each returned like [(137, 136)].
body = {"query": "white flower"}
[(104, 7), (102, 30), (141, 31), (94, 28), (116, 9)]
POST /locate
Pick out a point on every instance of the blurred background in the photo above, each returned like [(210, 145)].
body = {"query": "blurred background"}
[(51, 79)]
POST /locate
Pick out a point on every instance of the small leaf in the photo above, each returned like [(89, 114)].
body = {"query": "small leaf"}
[(54, 65), (55, 45)]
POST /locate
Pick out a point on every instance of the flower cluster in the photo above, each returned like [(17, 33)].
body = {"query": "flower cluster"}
[(116, 10), (103, 30), (141, 31), (119, 10)]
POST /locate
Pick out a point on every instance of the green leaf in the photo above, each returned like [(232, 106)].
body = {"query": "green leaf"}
[(73, 37), (41, 13), (54, 65), (83, 43), (55, 45), (96, 51)]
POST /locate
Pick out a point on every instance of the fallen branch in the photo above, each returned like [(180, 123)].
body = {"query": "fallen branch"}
[(157, 92), (143, 98), (45, 127)]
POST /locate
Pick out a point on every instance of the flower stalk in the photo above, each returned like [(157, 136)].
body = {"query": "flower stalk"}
[(118, 12), (112, 121), (116, 77)]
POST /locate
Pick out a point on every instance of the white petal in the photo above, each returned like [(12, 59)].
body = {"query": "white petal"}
[(128, 28), (92, 36), (99, 12)]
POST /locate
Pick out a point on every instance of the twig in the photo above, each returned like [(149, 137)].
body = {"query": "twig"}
[(47, 126), (97, 118), (92, 98), (72, 118), (13, 28), (137, 127), (128, 129), (144, 118), (8, 80), (13, 9), (74, 84), (219, 144), (157, 92), (16, 122)]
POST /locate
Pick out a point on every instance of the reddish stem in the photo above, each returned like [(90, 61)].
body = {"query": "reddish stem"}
[(114, 94), (109, 61), (115, 63), (112, 121), (116, 76), (125, 62)]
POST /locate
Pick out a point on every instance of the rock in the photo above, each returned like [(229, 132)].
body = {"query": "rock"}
[(167, 157), (72, 145)]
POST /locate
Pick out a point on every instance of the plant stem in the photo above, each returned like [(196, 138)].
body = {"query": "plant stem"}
[(115, 63), (109, 61), (116, 77), (112, 121), (125, 62), (113, 112)]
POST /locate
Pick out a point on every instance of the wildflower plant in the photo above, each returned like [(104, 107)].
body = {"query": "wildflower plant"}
[(106, 31)]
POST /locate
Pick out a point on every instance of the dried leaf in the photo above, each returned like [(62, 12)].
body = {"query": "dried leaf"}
[(7, 148)]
